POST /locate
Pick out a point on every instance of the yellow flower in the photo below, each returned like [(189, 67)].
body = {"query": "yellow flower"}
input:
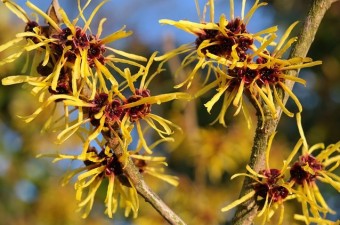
[(259, 78), (123, 110), (105, 165), (270, 187), (100, 166), (68, 59), (225, 42), (273, 74), (69, 65), (34, 35), (270, 190), (308, 169), (236, 62)]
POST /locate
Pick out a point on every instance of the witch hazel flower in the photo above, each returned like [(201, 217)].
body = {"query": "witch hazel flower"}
[(315, 164), (270, 189), (296, 180), (123, 109), (71, 49), (101, 166), (133, 108), (304, 174), (273, 74), (259, 78), (68, 59), (105, 167), (237, 63), (138, 109), (224, 42)]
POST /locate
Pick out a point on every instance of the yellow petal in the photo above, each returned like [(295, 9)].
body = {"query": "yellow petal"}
[(167, 178), (292, 95), (280, 103), (116, 36), (95, 134), (215, 98), (106, 72), (94, 11), (109, 196), (180, 50), (269, 103), (17, 10), (252, 10), (285, 36), (128, 55), (158, 99), (239, 201), (142, 139), (44, 15), (239, 94)]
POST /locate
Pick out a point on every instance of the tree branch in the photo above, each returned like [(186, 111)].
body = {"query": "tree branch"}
[(247, 211), (143, 189)]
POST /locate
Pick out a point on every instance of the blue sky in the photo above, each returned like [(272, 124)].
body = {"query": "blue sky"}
[(142, 16)]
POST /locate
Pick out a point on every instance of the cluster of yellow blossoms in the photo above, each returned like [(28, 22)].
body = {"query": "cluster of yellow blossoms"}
[(101, 99), (271, 188), (234, 63)]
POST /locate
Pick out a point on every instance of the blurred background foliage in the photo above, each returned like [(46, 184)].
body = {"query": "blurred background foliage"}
[(203, 157)]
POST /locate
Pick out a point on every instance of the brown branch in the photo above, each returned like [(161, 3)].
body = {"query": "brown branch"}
[(247, 211), (143, 189)]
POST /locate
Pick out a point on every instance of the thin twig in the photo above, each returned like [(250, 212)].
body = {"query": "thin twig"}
[(247, 211), (143, 189)]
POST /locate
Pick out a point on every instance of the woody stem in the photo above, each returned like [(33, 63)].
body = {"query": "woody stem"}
[(143, 189), (247, 211)]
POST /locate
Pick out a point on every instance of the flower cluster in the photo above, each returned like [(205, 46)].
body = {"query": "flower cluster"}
[(107, 165), (237, 62), (102, 100), (272, 187), (106, 101)]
